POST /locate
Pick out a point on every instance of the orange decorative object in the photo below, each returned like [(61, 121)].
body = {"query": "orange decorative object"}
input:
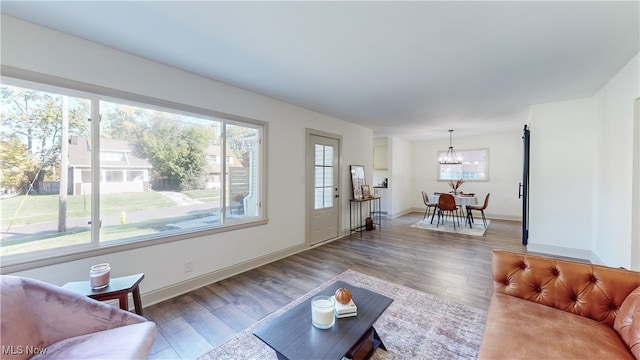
[(343, 296)]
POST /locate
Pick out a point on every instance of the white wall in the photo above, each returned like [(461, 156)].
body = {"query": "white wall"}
[(505, 171), (582, 206), (381, 143), (41, 50), (614, 173), (561, 178), (401, 168)]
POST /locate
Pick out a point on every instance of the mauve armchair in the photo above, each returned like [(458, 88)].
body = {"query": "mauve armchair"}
[(43, 321)]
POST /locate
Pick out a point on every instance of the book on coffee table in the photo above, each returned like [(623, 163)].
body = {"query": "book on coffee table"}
[(345, 310), (346, 315)]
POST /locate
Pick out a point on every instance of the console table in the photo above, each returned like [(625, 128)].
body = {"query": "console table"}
[(371, 209)]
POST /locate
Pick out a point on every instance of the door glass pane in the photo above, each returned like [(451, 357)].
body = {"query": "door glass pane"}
[(319, 155), (323, 176), (36, 213), (328, 197), (319, 198), (328, 156), (328, 176)]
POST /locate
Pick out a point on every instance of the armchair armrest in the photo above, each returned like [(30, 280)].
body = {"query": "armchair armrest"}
[(55, 313)]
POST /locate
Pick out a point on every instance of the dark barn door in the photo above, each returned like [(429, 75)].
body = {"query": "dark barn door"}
[(524, 186)]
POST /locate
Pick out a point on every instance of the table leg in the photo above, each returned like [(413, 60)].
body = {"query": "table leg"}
[(137, 302), (366, 346), (377, 342), (124, 301)]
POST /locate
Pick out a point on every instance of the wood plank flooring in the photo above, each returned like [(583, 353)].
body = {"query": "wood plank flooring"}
[(457, 267)]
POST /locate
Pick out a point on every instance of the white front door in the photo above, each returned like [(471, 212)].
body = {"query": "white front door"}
[(323, 202)]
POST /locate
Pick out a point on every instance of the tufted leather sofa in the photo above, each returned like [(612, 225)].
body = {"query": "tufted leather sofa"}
[(546, 308)]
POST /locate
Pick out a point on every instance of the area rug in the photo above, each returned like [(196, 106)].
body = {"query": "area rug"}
[(477, 230), (416, 325)]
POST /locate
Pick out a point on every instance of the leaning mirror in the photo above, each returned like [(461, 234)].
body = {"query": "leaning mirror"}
[(357, 180)]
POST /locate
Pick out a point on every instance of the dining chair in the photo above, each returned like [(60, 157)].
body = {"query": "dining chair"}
[(480, 208), (428, 204), (447, 202)]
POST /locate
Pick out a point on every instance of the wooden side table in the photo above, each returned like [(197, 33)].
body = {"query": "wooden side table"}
[(118, 288)]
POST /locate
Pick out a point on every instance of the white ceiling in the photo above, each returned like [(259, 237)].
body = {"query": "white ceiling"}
[(409, 69)]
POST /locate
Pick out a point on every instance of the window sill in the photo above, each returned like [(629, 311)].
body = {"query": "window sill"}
[(22, 264)]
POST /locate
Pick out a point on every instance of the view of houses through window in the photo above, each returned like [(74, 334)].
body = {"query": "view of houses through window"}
[(159, 172)]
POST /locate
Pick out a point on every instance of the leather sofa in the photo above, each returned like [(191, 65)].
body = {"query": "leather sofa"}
[(547, 308), (43, 321)]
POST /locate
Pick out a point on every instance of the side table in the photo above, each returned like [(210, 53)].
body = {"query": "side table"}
[(118, 288)]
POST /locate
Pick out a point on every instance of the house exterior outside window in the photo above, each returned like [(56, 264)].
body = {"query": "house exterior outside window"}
[(156, 172)]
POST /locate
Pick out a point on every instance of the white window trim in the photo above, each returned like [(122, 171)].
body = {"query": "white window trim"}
[(460, 152), (25, 261)]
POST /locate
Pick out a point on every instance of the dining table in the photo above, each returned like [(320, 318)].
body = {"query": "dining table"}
[(462, 200)]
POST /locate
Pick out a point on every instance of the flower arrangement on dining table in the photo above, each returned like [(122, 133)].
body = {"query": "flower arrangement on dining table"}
[(455, 185)]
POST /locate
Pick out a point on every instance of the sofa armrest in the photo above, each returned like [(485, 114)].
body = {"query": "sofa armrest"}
[(59, 313), (592, 291)]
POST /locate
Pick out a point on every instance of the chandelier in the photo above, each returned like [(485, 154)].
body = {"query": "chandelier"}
[(451, 157)]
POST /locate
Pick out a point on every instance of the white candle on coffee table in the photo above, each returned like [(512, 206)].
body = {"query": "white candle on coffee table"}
[(322, 312)]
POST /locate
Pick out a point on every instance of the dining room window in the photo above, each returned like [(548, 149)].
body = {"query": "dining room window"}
[(474, 166)]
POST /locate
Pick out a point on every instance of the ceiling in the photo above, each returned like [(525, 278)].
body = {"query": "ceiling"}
[(408, 69)]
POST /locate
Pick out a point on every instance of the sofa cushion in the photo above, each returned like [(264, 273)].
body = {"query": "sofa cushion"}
[(627, 322), (522, 329), (592, 291), (124, 342)]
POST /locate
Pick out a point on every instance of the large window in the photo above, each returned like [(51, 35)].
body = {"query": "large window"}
[(155, 174), (474, 167)]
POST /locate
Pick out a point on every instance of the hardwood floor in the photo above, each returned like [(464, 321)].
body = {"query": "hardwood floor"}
[(456, 267)]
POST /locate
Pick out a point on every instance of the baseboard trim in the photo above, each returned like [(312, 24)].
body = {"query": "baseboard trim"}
[(564, 251), (183, 287), (401, 213), (168, 292)]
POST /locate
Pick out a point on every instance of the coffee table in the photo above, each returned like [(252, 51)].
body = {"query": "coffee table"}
[(293, 336)]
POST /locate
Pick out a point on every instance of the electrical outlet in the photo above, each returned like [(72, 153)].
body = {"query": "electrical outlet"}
[(188, 266)]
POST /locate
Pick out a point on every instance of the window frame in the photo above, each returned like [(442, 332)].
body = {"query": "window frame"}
[(95, 93), (461, 153)]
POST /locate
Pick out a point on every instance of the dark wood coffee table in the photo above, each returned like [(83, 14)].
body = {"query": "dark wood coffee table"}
[(293, 336)]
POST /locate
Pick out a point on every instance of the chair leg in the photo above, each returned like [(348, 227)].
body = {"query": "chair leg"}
[(454, 219), (484, 219), (426, 211)]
